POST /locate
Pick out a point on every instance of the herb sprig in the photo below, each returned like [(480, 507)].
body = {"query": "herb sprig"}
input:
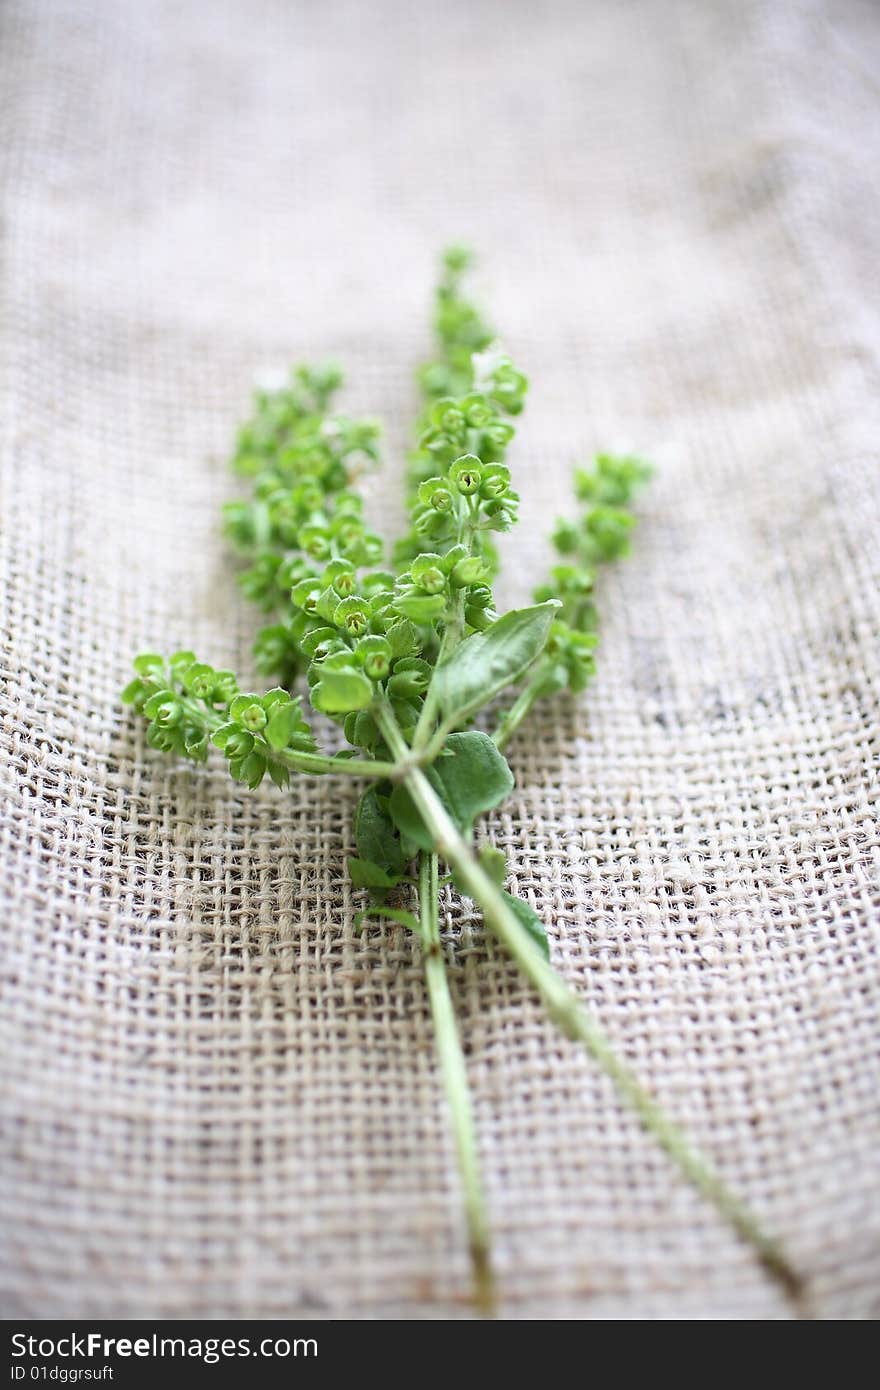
[(404, 659)]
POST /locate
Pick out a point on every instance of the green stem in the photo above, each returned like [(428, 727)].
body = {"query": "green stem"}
[(349, 767), (511, 720), (455, 1082), (290, 757), (452, 633), (567, 1012)]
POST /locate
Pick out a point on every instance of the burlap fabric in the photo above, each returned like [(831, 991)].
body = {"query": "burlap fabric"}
[(217, 1099)]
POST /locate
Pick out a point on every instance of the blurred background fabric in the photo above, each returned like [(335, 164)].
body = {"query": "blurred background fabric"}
[(218, 1100)]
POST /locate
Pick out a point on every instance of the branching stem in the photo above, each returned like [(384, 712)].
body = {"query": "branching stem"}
[(316, 763), (455, 1082), (514, 716), (569, 1015)]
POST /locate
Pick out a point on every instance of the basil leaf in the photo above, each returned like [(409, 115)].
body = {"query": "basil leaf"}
[(364, 874), (485, 663), (529, 919), (494, 862), (375, 834), (283, 720), (340, 691), (421, 608), (473, 778), (279, 774), (395, 914)]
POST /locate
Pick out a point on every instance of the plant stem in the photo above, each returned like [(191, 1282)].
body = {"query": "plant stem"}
[(511, 720), (290, 757), (349, 767), (455, 1083), (449, 1050), (452, 632), (567, 1012)]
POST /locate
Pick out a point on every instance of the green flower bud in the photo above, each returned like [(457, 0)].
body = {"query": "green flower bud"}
[(366, 732), (499, 435), (427, 573), (195, 743), (238, 745), (180, 662), (165, 740), (352, 615), (419, 607), (349, 536), (471, 570), (135, 693), (441, 499), (375, 653), (479, 618), (371, 549), (199, 680), (340, 574), (309, 497), (167, 713), (496, 481), (410, 678), (456, 259), (566, 537), (150, 665), (378, 581), (477, 411), (349, 504), (448, 417), (466, 472), (402, 638), (315, 541), (275, 651), (225, 686), (481, 596), (305, 593), (164, 708), (429, 523)]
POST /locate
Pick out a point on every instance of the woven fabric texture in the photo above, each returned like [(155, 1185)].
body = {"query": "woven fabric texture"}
[(217, 1099)]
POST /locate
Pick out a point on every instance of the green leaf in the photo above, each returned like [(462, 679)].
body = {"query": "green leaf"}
[(241, 704), (487, 662), (474, 778), (149, 664), (283, 721), (363, 874), (157, 701), (250, 769), (375, 834), (529, 919), (195, 743), (338, 692), (276, 696), (132, 691), (494, 862), (279, 774), (421, 608), (395, 914), (222, 735), (403, 639)]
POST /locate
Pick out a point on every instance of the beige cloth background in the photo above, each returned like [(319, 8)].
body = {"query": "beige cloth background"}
[(217, 1100)]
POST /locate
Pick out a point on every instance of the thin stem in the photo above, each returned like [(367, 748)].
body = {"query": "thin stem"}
[(567, 1012), (349, 767), (452, 633), (290, 757), (452, 1066), (513, 717)]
